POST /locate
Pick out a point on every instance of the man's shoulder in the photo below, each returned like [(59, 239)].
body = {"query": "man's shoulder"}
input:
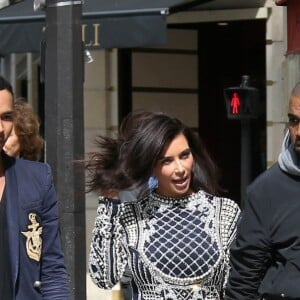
[(274, 170), (270, 175), (29, 168), (31, 175), (30, 164)]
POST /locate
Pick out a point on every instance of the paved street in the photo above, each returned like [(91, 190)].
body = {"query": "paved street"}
[(94, 293)]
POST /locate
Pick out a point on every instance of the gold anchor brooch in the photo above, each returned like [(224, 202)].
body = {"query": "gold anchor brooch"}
[(33, 238)]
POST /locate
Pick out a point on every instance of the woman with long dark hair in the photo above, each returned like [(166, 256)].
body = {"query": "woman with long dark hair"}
[(175, 237)]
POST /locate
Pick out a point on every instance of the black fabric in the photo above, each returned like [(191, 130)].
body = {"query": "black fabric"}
[(265, 258), (5, 273), (125, 283), (272, 297)]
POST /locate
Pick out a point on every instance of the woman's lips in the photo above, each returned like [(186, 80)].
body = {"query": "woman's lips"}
[(180, 182)]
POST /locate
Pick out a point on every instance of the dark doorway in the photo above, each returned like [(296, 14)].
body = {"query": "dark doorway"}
[(225, 54)]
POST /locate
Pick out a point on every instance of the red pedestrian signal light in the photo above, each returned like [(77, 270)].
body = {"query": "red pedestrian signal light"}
[(241, 102), (235, 104)]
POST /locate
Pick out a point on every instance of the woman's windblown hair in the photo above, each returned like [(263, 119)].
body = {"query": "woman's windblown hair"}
[(128, 160)]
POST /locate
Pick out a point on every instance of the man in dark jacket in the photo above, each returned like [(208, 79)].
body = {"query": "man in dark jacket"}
[(265, 259), (31, 261)]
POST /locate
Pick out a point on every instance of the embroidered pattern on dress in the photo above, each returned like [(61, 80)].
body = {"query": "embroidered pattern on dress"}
[(180, 243), (176, 250)]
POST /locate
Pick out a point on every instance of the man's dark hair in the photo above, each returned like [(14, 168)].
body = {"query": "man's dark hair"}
[(5, 85)]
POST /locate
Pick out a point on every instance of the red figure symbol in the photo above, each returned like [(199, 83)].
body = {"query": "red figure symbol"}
[(235, 104)]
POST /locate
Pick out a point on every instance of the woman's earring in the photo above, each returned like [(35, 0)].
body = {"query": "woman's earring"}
[(153, 183)]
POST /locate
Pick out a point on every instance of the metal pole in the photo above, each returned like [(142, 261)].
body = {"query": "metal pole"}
[(64, 130), (29, 79), (245, 158), (13, 72)]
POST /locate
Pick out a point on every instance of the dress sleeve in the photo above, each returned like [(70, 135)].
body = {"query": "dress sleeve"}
[(250, 252), (107, 259)]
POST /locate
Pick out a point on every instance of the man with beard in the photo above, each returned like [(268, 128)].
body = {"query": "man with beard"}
[(31, 261), (265, 258)]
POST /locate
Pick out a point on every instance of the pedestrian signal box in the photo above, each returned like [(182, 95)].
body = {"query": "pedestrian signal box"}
[(241, 102)]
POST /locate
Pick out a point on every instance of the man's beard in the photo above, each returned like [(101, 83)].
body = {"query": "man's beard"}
[(297, 146)]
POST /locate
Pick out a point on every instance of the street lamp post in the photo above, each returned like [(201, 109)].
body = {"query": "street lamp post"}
[(64, 130)]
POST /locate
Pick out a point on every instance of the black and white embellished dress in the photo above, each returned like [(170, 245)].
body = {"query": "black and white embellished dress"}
[(176, 248)]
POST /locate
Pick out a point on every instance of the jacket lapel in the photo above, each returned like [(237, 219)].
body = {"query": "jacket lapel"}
[(12, 205)]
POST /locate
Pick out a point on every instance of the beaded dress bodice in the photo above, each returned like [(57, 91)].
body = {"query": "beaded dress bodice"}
[(177, 249)]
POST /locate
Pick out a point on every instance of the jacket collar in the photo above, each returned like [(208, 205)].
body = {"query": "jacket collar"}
[(12, 209)]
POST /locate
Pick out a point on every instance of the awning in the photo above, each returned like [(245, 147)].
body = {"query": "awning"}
[(106, 24)]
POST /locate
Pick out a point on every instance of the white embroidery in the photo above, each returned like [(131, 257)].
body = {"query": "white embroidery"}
[(177, 249)]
